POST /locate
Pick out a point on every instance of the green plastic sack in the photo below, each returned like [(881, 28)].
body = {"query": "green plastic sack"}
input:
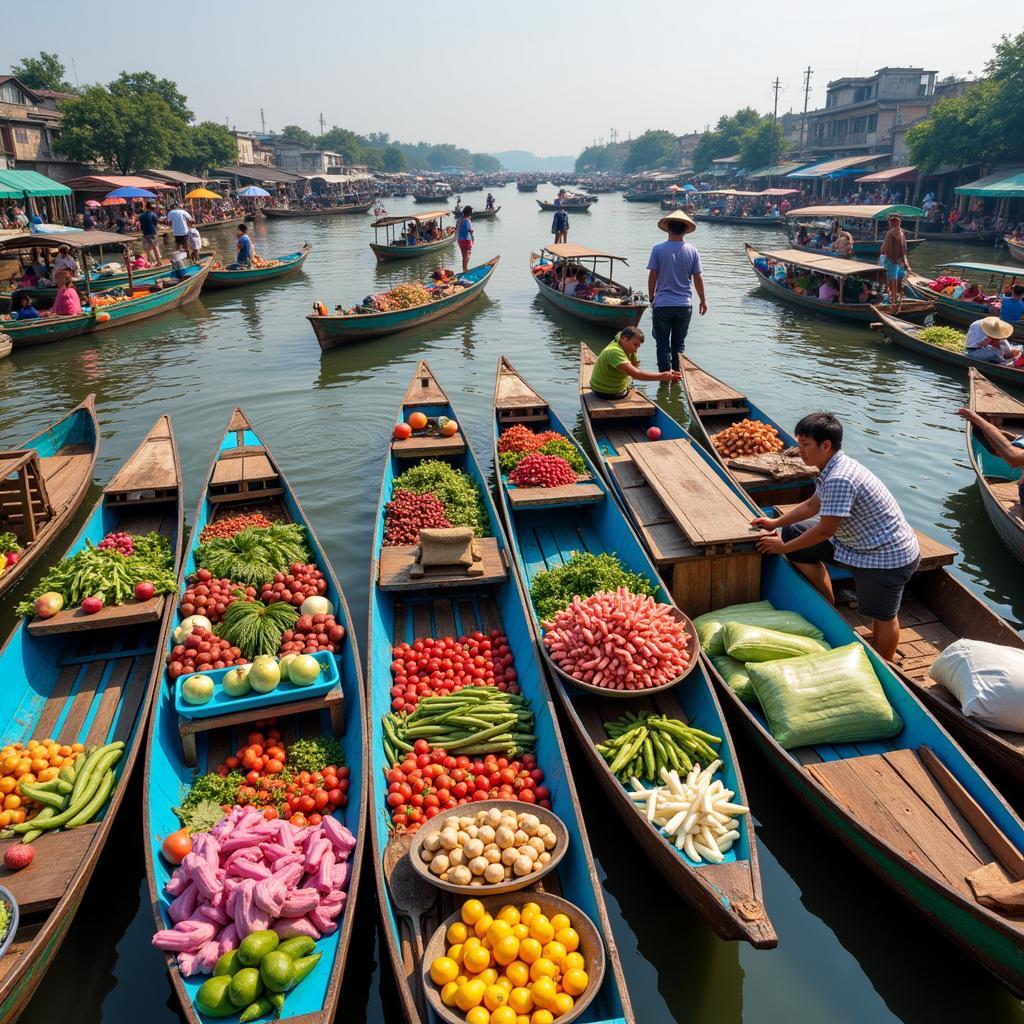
[(833, 697), (758, 613), (736, 677), (756, 643)]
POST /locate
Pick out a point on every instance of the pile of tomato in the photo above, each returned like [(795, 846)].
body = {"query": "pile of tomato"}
[(431, 667), (430, 781), (230, 525)]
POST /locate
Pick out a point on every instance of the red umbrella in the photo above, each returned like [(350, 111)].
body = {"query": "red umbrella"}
[(113, 202), (91, 202)]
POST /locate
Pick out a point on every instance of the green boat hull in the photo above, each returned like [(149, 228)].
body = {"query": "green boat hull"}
[(233, 278), (410, 252), (612, 317)]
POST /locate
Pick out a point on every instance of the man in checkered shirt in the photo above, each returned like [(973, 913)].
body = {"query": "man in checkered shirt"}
[(859, 526)]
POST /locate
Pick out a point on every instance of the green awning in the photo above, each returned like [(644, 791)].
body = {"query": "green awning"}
[(1002, 185), (15, 184), (777, 170)]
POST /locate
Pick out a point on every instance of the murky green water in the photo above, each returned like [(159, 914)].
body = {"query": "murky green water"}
[(849, 950)]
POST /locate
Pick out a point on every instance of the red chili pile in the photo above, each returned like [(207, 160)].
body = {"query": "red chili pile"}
[(201, 652), (407, 513), (312, 633), (120, 542), (430, 781), (230, 525), (619, 640), (437, 668), (207, 596), (543, 471), (294, 587), (523, 439)]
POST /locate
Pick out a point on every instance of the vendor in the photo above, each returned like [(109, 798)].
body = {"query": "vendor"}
[(617, 366), (25, 310), (1011, 305), (67, 302), (986, 342), (1001, 444), (843, 244), (894, 257), (65, 261), (859, 526)]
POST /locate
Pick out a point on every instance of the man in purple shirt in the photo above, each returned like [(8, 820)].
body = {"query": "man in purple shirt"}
[(674, 271)]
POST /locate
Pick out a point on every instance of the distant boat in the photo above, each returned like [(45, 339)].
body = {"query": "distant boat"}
[(224, 277), (318, 211)]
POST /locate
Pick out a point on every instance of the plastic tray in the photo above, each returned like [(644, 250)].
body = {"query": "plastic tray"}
[(223, 704)]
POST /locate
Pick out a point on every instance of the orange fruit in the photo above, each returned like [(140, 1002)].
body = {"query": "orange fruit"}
[(529, 950), (520, 1000), (478, 1015), (575, 981), (569, 938), (562, 1004), (402, 431), (417, 421), (544, 991), (448, 993), (518, 973)]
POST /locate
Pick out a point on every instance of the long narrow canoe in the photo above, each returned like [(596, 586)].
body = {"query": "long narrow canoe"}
[(959, 237), (609, 315), (67, 451), (334, 330), (1015, 249), (747, 222), (432, 197), (101, 318), (956, 310), (645, 197), (485, 214), (225, 278), (545, 528), (862, 248), (224, 222), (98, 282), (569, 205), (863, 311), (322, 211), (889, 801), (907, 335), (408, 252), (92, 686), (402, 609), (713, 406), (245, 477)]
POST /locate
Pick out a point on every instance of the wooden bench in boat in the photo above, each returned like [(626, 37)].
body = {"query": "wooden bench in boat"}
[(994, 404), (1006, 493), (583, 492), (396, 561), (710, 396), (244, 473), (634, 405), (25, 505), (516, 402), (429, 446)]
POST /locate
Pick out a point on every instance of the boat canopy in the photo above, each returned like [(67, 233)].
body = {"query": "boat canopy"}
[(418, 217), (857, 212), (1006, 184), (572, 251), (986, 268), (72, 239), (834, 266), (15, 184)]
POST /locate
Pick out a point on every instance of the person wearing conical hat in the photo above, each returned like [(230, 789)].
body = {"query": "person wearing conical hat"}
[(986, 342), (675, 271)]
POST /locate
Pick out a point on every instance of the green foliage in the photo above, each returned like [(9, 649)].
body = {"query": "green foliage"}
[(945, 337), (484, 163), (253, 556), (43, 72), (584, 574), (601, 158), (256, 628), (394, 159), (726, 139), (559, 446), (315, 754), (341, 140), (136, 84), (203, 815), (293, 133), (209, 788), (209, 145), (455, 490), (9, 542), (650, 151), (762, 145)]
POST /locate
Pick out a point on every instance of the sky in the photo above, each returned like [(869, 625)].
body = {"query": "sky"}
[(547, 77)]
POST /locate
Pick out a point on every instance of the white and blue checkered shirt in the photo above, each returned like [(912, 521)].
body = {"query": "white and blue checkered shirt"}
[(873, 534)]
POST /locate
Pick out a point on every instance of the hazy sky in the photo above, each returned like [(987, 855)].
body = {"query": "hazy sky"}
[(548, 77)]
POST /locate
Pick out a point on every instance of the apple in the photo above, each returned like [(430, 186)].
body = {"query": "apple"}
[(91, 605), (236, 681), (284, 665), (264, 674), (653, 433), (316, 605), (402, 431), (12, 558), (197, 690), (47, 605), (304, 670), (144, 590)]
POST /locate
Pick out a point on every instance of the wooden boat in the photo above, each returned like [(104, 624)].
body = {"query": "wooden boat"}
[(913, 808), (1015, 247), (646, 197), (6, 345), (997, 481), (769, 479), (398, 248), (444, 196), (674, 204), (245, 477), (97, 282), (867, 224), (526, 186), (362, 206), (907, 335), (339, 329), (222, 277), (958, 237), (51, 471), (577, 205), (545, 527), (482, 214), (748, 222), (956, 310), (211, 225), (449, 603), (568, 257), (832, 267), (90, 686)]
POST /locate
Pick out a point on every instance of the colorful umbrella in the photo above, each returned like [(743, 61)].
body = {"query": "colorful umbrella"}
[(92, 202), (113, 202), (131, 192), (252, 191), (202, 193)]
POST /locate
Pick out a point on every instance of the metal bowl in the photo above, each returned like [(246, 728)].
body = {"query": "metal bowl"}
[(436, 824), (591, 948), (693, 647), (12, 925)]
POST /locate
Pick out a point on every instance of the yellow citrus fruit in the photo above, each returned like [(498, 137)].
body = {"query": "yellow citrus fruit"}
[(544, 991), (456, 933), (476, 960), (509, 914), (471, 943), (443, 970), (569, 938), (497, 931), (540, 929), (562, 1004), (541, 1017), (506, 950), (505, 983), (462, 979), (520, 931), (527, 912), (529, 950), (573, 962), (503, 1015), (495, 996), (522, 1018), (575, 981), (542, 968), (488, 977), (448, 993), (482, 924), (560, 921), (518, 973), (472, 911), (555, 951), (455, 953), (520, 1000), (478, 1015), (469, 995)]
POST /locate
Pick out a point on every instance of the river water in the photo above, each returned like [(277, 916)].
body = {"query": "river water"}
[(849, 949)]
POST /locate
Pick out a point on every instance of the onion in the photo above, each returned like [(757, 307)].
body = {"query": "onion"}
[(187, 625), (316, 605)]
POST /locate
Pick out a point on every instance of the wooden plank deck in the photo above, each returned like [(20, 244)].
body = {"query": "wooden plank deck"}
[(396, 562), (429, 446), (581, 493), (993, 403), (710, 395), (635, 404)]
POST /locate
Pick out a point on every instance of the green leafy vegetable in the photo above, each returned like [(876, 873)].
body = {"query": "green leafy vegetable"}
[(945, 337), (210, 788), (254, 627), (455, 490), (584, 574), (315, 754), (9, 542), (5, 920), (253, 556), (559, 446), (202, 815)]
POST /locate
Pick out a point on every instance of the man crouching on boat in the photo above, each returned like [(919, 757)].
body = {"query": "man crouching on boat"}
[(617, 366), (859, 527)]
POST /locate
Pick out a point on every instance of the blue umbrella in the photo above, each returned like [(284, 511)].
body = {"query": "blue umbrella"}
[(252, 191), (130, 192), (689, 188)]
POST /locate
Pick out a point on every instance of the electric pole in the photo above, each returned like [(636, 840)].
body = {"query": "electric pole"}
[(321, 123), (807, 95), (263, 120), (775, 109)]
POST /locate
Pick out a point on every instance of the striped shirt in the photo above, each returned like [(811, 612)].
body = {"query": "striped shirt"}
[(873, 534)]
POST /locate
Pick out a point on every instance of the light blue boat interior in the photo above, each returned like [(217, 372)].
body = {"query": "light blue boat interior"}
[(169, 777), (991, 466), (573, 872)]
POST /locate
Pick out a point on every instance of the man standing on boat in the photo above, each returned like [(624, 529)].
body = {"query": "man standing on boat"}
[(560, 224), (465, 237), (180, 220), (150, 239), (894, 258), (675, 270), (858, 526)]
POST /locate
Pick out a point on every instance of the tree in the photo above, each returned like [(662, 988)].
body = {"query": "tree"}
[(394, 159), (348, 144), (126, 133), (145, 83), (293, 133), (43, 72), (725, 140), (600, 158), (762, 144), (209, 145), (959, 130), (1006, 71), (484, 163), (652, 149)]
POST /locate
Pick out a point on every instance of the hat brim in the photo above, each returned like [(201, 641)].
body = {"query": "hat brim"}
[(675, 219), (998, 329)]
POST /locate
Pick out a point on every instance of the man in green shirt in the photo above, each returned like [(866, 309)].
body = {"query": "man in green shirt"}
[(617, 366)]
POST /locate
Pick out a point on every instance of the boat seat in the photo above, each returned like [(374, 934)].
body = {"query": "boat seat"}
[(63, 472), (244, 473), (396, 561), (634, 405), (24, 501), (60, 856), (429, 446), (1005, 493), (583, 492)]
